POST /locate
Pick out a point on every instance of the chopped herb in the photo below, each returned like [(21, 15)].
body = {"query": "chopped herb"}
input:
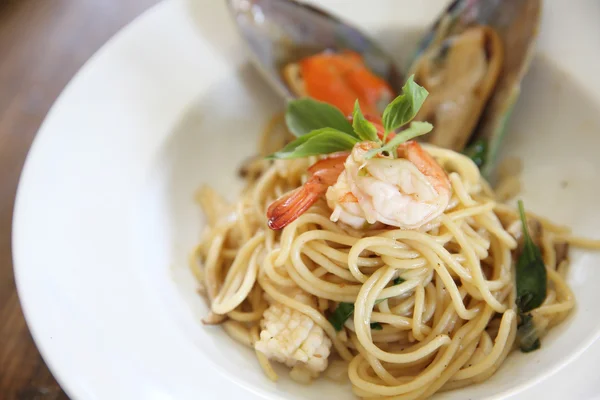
[(376, 326), (341, 315), (530, 271), (398, 281), (477, 152), (532, 281), (527, 334), (345, 310)]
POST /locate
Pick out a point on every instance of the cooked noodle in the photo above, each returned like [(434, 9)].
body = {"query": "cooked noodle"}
[(449, 324)]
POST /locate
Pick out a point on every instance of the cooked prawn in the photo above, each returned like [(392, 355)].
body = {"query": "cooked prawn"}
[(406, 192), (290, 206)]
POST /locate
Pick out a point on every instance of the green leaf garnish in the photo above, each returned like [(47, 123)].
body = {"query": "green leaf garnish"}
[(404, 107), (344, 311), (527, 334), (320, 141), (341, 315), (531, 273), (376, 326), (398, 281), (322, 129), (306, 115), (414, 130), (363, 128), (477, 151)]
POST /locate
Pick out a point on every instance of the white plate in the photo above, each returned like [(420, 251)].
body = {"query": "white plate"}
[(105, 215)]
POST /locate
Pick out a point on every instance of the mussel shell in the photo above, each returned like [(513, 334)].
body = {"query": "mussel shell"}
[(516, 22), (279, 32)]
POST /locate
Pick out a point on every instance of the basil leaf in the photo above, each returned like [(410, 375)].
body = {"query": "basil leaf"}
[(340, 315), (531, 273), (527, 334), (320, 141), (477, 152), (414, 130), (305, 115), (398, 281), (404, 107), (345, 310), (363, 128), (376, 326)]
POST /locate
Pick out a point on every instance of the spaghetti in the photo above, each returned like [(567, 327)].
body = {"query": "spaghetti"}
[(394, 264), (451, 321)]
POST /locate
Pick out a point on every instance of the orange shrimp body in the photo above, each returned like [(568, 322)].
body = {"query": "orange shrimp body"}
[(426, 164), (406, 192), (290, 206)]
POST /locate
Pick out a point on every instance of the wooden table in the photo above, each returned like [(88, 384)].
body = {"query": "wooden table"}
[(42, 45)]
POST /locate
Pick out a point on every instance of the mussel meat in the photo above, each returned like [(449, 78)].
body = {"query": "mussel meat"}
[(472, 63)]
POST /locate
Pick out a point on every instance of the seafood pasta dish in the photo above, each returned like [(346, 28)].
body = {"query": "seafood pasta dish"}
[(358, 252)]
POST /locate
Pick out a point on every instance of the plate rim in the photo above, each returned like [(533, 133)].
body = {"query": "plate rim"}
[(69, 385)]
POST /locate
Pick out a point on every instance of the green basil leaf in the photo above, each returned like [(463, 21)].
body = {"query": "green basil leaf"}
[(477, 151), (404, 107), (531, 275), (341, 315), (306, 115), (363, 128), (345, 310), (376, 326), (414, 130), (398, 281), (527, 334), (320, 141)]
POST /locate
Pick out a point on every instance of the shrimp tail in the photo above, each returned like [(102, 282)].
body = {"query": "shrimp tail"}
[(287, 208), (323, 174)]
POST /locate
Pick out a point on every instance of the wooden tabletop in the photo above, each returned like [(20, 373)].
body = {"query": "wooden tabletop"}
[(42, 45)]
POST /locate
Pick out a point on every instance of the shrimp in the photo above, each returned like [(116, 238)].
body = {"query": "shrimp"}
[(290, 206), (406, 192)]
